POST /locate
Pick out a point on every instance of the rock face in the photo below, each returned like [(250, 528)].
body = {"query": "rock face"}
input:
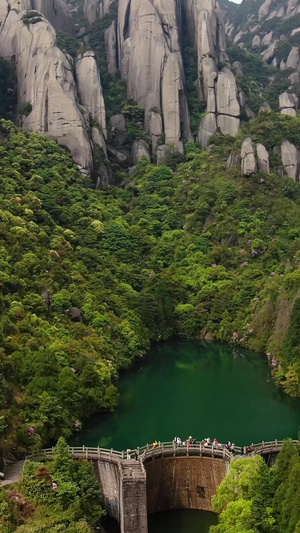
[(262, 158), (95, 9), (290, 159), (140, 149), (254, 157), (288, 103), (46, 82), (110, 36), (217, 83), (151, 63), (55, 11), (90, 90), (248, 159), (254, 27)]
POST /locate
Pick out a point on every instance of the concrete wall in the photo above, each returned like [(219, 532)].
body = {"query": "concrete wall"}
[(134, 502), (108, 473), (183, 482)]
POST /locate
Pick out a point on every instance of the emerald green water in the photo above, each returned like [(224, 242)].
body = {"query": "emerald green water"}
[(200, 389)]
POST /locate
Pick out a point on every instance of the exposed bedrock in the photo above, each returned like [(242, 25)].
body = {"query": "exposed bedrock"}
[(95, 9), (46, 82), (217, 83), (151, 63), (55, 11)]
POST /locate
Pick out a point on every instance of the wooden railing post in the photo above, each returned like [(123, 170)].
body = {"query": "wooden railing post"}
[(99, 453)]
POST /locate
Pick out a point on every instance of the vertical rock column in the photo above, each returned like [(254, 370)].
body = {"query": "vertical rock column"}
[(151, 63), (217, 84)]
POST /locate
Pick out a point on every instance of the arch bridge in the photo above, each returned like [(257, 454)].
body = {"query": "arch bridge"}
[(139, 482)]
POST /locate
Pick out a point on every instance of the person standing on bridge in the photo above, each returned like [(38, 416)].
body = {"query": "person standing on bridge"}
[(155, 444)]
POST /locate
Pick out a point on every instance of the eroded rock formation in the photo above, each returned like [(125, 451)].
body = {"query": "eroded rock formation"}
[(217, 86), (47, 86), (96, 9), (151, 63), (55, 11)]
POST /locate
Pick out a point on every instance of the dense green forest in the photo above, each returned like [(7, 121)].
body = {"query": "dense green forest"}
[(254, 498), (90, 278), (61, 496)]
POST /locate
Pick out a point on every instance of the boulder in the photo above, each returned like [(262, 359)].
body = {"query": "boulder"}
[(264, 106), (238, 68), (256, 40), (228, 125), (267, 39), (288, 100), (208, 126), (162, 152), (76, 314), (294, 79), (227, 101), (293, 58), (122, 157), (110, 37), (262, 158), (290, 159), (289, 111), (90, 89), (46, 81), (270, 51), (264, 10), (140, 149), (234, 160), (248, 158)]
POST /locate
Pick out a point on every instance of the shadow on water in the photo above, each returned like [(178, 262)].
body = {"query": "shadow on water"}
[(176, 521)]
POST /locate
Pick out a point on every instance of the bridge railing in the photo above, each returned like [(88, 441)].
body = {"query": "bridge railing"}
[(165, 449)]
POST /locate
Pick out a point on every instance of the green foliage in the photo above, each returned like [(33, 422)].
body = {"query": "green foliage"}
[(67, 43), (176, 251), (25, 109), (60, 495), (31, 17), (245, 498)]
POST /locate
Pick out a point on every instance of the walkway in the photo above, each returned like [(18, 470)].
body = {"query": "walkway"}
[(165, 449), (12, 473)]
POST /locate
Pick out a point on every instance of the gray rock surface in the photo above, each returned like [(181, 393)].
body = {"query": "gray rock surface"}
[(95, 9), (55, 11), (248, 157), (262, 158), (208, 127), (90, 90), (140, 149), (227, 100), (45, 80), (110, 37), (228, 125), (156, 129), (290, 159), (150, 61)]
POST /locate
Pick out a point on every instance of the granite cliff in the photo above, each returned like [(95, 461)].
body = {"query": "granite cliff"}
[(145, 50)]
